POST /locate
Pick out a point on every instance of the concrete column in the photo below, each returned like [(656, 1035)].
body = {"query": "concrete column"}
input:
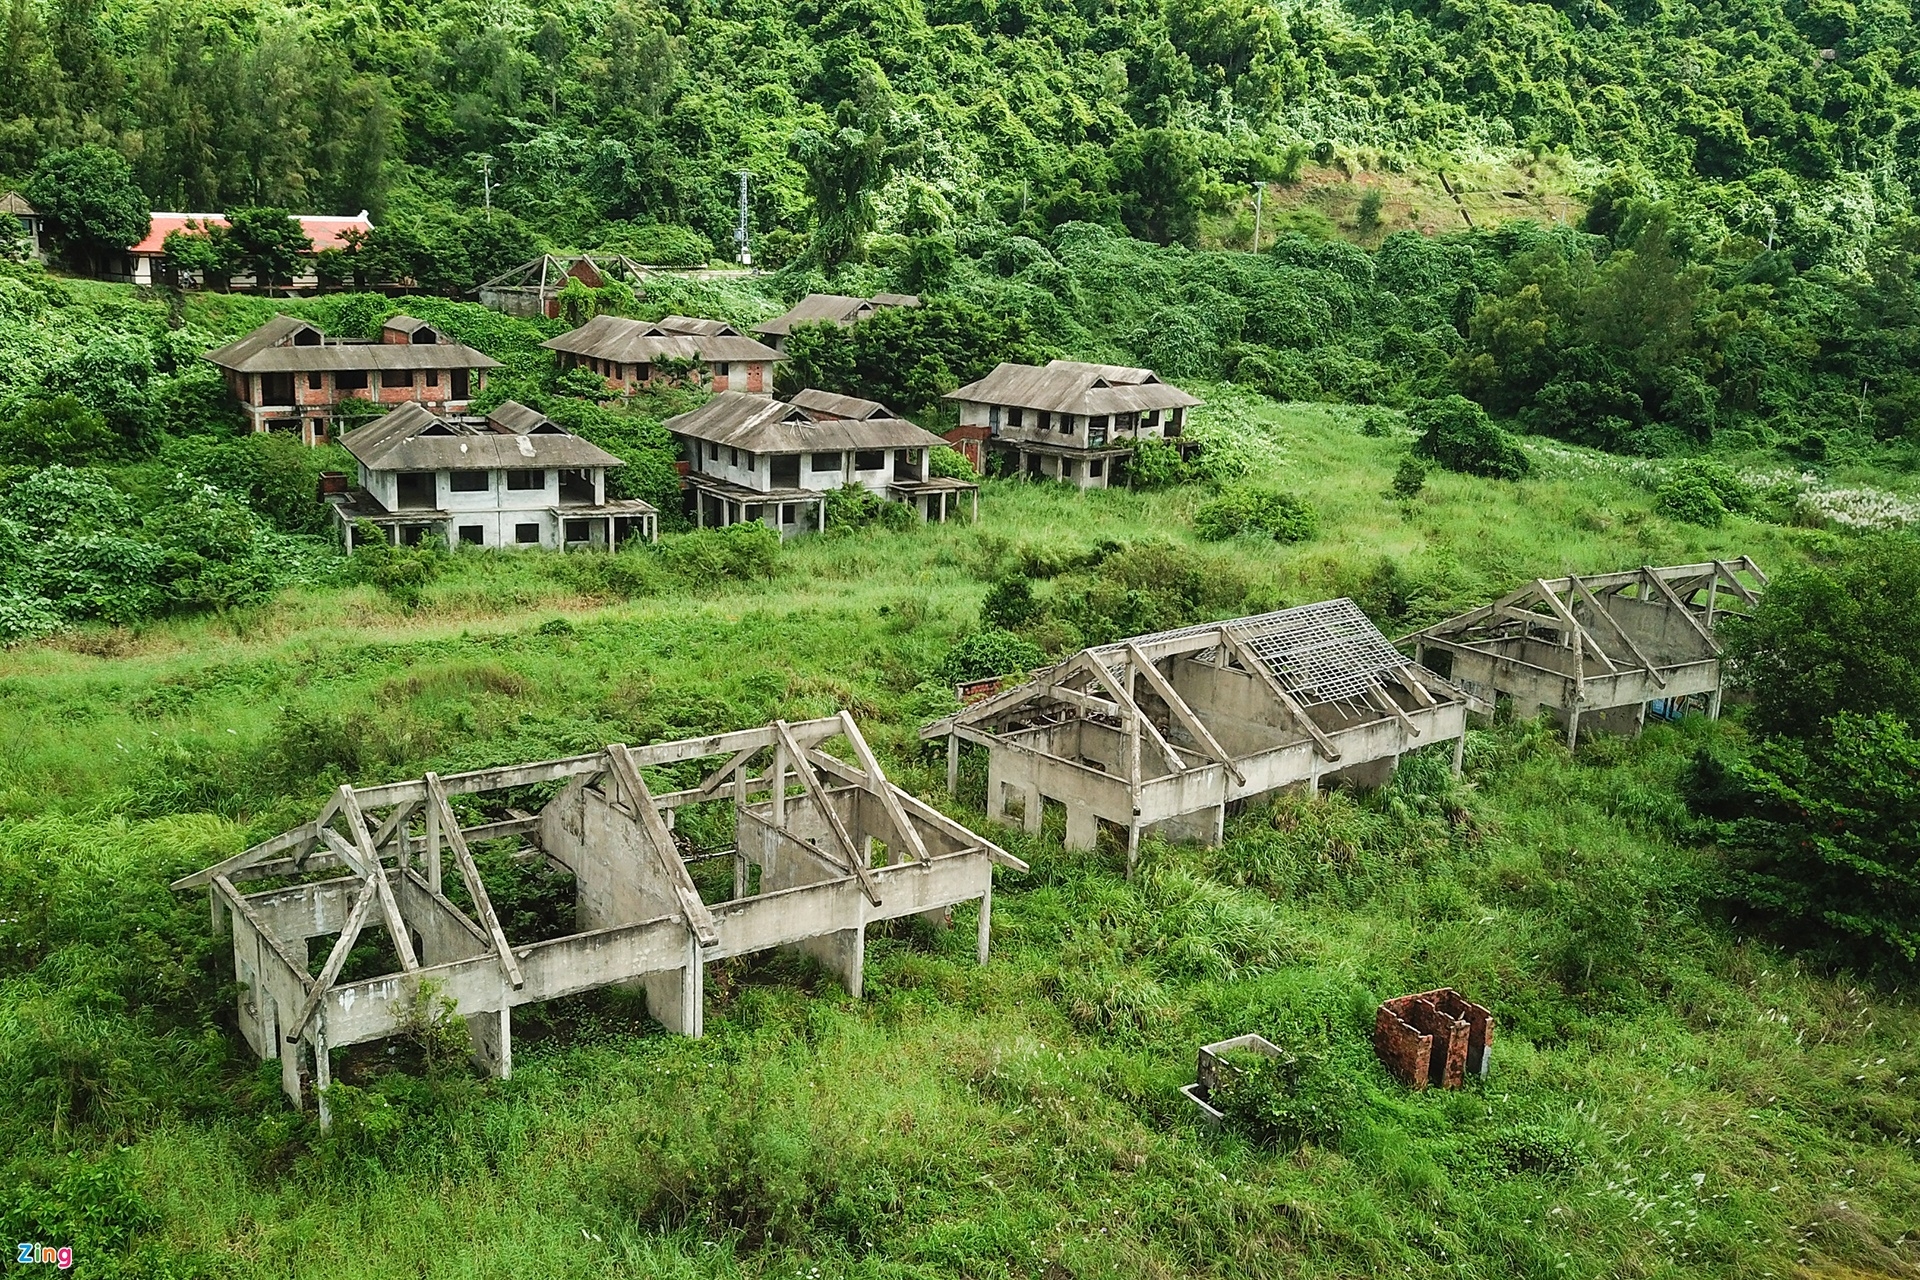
[(1573, 726), (1460, 750), (322, 1076), (492, 1036), (953, 763), (1133, 845), (675, 997), (1082, 827), (1035, 806), (290, 1072), (986, 922), (842, 953), (1713, 705)]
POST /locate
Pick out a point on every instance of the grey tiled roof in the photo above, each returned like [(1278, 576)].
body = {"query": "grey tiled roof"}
[(762, 425), (513, 437), (1069, 386), (625, 341)]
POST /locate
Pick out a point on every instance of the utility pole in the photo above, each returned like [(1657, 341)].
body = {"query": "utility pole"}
[(486, 184), (1259, 206), (740, 228)]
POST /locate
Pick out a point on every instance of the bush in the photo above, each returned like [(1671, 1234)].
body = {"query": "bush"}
[(1265, 513), (988, 653), (402, 573), (741, 552), (60, 430), (1286, 1101), (1409, 479), (944, 463), (1456, 433), (1702, 492), (1155, 464), (662, 245), (1691, 499), (1009, 603)]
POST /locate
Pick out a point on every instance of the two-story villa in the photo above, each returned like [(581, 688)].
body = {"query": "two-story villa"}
[(754, 458), (1070, 421), (632, 353), (510, 479), (289, 376)]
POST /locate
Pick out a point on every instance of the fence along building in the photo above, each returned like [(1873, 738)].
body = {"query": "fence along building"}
[(289, 376), (1159, 734), (679, 349), (1598, 649), (510, 479), (806, 874), (752, 458), (1068, 421), (829, 308)]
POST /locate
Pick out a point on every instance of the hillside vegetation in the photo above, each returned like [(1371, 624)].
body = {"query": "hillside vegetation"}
[(1669, 1095)]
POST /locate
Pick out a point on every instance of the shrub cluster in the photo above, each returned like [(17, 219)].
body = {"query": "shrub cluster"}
[(1256, 511)]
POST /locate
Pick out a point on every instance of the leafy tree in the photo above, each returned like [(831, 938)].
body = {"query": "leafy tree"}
[(1161, 173), (267, 243), (844, 167), (1833, 638), (90, 202), (198, 252), (1456, 433), (1823, 835)]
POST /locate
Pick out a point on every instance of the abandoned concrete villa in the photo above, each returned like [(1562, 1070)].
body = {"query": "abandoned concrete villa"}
[(509, 478), (811, 871)]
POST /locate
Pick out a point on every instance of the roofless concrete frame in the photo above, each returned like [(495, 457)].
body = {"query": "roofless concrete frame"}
[(1161, 733), (809, 821), (1596, 648)]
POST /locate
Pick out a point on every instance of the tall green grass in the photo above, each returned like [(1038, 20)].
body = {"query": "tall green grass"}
[(1669, 1096)]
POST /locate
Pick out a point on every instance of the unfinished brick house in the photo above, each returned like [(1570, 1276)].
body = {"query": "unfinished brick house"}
[(1068, 421), (289, 376), (823, 847), (630, 354), (1598, 650), (511, 478), (753, 458), (1163, 734), (829, 308)]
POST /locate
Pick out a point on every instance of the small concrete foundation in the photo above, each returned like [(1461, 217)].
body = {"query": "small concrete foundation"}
[(806, 828)]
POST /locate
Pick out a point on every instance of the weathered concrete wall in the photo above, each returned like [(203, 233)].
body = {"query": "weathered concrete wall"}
[(1232, 704), (1663, 633), (618, 879)]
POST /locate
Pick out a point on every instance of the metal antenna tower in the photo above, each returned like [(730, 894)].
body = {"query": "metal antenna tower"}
[(740, 229)]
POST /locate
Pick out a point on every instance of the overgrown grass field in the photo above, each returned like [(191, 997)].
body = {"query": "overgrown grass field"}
[(1669, 1095)]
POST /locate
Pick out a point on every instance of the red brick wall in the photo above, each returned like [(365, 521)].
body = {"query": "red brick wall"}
[(1434, 1037)]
